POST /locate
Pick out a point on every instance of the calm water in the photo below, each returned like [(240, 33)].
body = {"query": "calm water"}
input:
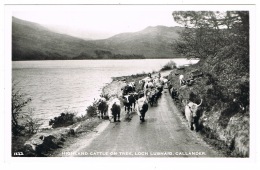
[(55, 86)]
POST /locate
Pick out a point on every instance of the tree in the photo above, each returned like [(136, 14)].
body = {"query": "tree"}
[(208, 31), (19, 101), (221, 41), (22, 121)]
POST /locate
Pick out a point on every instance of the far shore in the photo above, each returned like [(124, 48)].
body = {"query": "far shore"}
[(115, 59)]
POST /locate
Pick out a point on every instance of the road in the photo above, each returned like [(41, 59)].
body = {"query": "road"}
[(165, 133)]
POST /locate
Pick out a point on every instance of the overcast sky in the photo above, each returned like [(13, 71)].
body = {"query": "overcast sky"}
[(96, 21)]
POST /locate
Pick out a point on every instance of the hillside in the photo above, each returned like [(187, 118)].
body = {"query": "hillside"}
[(31, 41), (152, 42), (221, 79)]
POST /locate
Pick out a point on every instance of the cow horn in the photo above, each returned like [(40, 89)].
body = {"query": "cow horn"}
[(200, 102)]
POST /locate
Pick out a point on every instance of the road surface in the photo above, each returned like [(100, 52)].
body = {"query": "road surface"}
[(165, 133)]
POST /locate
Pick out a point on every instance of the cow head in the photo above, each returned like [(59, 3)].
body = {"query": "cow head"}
[(132, 84), (194, 108)]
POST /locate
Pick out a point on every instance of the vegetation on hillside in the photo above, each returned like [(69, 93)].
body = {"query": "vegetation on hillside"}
[(221, 41), (152, 42), (32, 41), (106, 54)]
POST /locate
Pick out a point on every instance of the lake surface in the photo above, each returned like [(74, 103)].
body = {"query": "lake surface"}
[(56, 86)]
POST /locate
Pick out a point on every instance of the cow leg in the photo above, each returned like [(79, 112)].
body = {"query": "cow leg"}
[(191, 126), (131, 109), (142, 115), (118, 117), (102, 114), (150, 101), (114, 117), (128, 109), (194, 127)]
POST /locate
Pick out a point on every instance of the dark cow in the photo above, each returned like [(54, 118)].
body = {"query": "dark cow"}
[(114, 110), (129, 88), (129, 101), (152, 96), (159, 91), (174, 94), (103, 108)]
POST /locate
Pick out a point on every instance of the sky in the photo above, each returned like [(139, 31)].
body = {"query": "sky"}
[(96, 21)]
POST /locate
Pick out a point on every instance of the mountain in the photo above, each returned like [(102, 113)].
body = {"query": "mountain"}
[(152, 42), (31, 41)]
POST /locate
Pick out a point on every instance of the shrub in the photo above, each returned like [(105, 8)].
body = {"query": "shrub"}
[(65, 119), (169, 66), (91, 111), (31, 124)]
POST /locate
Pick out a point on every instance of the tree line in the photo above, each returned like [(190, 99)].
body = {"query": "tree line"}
[(105, 54)]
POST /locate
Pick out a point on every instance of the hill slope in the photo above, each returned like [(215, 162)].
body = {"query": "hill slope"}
[(31, 41), (152, 42)]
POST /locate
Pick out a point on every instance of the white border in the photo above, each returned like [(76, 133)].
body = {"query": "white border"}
[(125, 163)]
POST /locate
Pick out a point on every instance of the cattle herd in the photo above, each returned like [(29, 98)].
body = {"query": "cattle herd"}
[(139, 100), (133, 99)]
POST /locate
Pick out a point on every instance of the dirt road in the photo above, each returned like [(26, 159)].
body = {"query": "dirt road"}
[(164, 134)]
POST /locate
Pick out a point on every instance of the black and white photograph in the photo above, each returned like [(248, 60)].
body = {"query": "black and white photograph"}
[(129, 81)]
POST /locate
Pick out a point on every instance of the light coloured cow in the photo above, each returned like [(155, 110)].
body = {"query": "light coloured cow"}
[(164, 80), (132, 84), (191, 113), (182, 81), (142, 107)]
